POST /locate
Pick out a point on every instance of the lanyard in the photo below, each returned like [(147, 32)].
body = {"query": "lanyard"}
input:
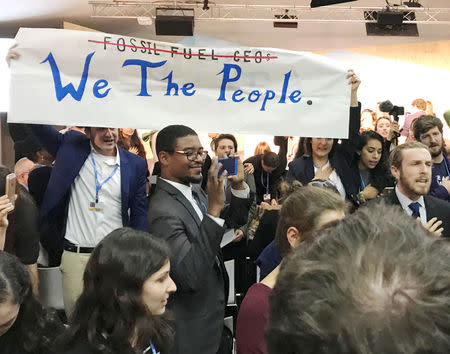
[(150, 347), (99, 185), (363, 185), (262, 182), (446, 167)]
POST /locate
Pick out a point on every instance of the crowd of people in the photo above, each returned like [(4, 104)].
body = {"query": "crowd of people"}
[(350, 240)]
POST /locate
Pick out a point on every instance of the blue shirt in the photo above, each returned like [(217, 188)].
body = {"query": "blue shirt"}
[(439, 172)]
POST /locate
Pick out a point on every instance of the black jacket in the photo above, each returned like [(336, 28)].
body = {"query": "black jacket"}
[(302, 168), (435, 208)]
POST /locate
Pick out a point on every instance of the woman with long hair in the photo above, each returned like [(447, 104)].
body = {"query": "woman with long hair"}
[(305, 210), (122, 307), (370, 166), (25, 327), (129, 140), (324, 158)]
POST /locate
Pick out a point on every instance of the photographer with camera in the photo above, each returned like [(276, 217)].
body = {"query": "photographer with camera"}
[(387, 128)]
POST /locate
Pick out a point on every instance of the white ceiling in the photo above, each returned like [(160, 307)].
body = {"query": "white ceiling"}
[(309, 36)]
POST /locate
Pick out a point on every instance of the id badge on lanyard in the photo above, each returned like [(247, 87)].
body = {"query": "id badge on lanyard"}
[(266, 196), (96, 205)]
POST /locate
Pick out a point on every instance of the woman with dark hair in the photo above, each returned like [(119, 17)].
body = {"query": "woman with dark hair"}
[(129, 140), (296, 224), (302, 148), (329, 160), (370, 166), (25, 327), (126, 288)]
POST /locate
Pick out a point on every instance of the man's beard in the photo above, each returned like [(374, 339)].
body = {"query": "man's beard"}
[(413, 187), (187, 180), (435, 152)]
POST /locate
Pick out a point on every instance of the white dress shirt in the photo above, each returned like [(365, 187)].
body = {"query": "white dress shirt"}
[(335, 179), (405, 201), (86, 228), (187, 192)]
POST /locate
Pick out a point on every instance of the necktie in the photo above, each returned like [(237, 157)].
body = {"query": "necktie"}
[(415, 209), (200, 204)]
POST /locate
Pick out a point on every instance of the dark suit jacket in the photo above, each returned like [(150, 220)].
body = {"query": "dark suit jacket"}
[(71, 151), (196, 265), (435, 208)]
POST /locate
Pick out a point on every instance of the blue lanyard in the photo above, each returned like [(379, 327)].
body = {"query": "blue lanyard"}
[(262, 182), (151, 347), (446, 167), (99, 185), (363, 185)]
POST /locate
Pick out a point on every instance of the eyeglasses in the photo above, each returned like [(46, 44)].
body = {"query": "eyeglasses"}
[(192, 155)]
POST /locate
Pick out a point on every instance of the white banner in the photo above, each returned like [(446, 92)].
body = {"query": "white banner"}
[(96, 79)]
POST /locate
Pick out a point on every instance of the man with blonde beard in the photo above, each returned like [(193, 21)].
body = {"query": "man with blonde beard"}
[(411, 166)]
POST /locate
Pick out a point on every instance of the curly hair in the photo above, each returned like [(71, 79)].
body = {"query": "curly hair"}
[(35, 329), (110, 309)]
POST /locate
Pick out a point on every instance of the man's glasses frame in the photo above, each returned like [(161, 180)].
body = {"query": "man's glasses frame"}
[(192, 155)]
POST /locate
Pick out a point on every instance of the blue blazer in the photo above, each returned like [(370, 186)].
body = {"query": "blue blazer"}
[(71, 151)]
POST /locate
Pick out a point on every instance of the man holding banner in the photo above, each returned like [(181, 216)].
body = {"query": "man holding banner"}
[(95, 187), (100, 186)]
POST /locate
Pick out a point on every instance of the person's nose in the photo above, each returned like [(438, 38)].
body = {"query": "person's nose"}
[(424, 168), (172, 287)]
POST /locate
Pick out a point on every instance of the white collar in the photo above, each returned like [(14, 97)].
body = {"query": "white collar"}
[(405, 201), (109, 159), (185, 190)]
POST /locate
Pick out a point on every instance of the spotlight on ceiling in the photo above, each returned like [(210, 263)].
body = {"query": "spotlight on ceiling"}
[(174, 22), (390, 22), (318, 3)]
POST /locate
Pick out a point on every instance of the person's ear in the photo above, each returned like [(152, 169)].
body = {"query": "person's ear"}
[(293, 236), (395, 172), (164, 158)]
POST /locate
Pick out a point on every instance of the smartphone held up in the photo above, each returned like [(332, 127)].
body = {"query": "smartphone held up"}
[(10, 187), (228, 164)]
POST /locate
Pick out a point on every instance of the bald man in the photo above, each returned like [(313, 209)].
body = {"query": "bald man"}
[(22, 169)]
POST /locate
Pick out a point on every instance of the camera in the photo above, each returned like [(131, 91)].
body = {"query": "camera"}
[(395, 111)]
